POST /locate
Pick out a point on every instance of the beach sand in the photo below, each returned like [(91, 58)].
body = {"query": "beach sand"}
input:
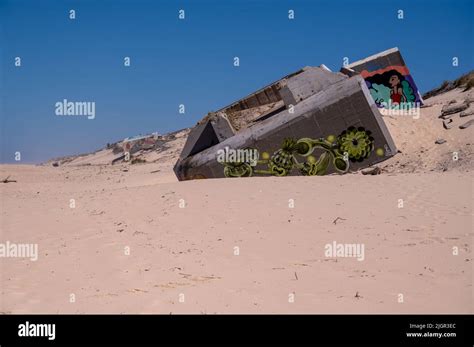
[(139, 241)]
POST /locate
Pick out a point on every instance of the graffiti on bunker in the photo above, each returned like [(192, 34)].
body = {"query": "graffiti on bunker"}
[(392, 87), (352, 145)]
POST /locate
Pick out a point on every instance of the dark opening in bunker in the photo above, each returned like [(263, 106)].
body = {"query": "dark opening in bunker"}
[(208, 138)]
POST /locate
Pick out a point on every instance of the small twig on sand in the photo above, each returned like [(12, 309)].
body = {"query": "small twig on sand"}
[(338, 218), (296, 276), (6, 180)]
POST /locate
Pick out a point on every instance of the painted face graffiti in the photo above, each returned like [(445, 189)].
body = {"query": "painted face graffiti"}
[(394, 81), (392, 89)]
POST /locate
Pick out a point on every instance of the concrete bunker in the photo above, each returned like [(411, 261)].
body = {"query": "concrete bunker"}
[(311, 122)]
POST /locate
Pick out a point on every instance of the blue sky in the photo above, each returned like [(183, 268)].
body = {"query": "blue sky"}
[(190, 61)]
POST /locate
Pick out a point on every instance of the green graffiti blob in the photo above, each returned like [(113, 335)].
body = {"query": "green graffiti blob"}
[(353, 144)]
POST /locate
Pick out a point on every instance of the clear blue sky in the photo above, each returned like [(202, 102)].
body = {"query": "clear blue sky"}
[(191, 61)]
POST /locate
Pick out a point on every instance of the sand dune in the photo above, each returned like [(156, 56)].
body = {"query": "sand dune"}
[(182, 236), (415, 138)]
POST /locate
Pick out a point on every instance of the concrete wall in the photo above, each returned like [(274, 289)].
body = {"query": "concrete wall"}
[(344, 104), (311, 81)]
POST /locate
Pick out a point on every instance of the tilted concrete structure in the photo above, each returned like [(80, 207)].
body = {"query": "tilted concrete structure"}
[(311, 122), (388, 79)]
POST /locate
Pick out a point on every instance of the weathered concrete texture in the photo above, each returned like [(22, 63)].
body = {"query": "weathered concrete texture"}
[(207, 134), (267, 95), (216, 126), (348, 72), (330, 111), (467, 124), (454, 108), (222, 127), (311, 81), (390, 57), (202, 136)]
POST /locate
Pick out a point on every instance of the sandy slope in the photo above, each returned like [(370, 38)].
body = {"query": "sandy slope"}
[(168, 154), (415, 138), (190, 250)]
